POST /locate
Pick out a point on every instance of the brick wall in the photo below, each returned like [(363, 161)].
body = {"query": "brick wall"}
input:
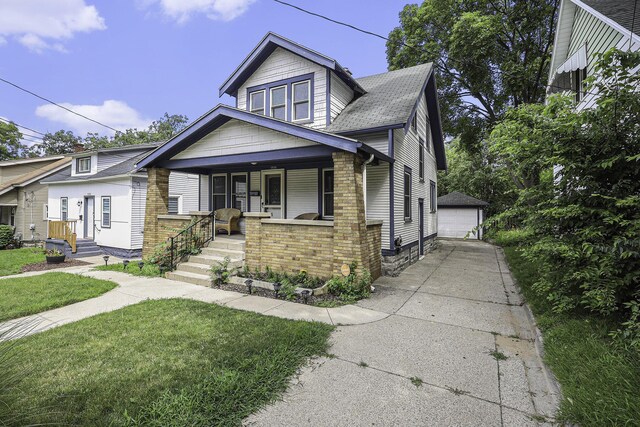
[(374, 249), (157, 204)]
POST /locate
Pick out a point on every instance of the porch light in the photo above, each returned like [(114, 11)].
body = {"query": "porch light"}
[(140, 265), (249, 284), (106, 259), (125, 264), (276, 288), (306, 293), (79, 203)]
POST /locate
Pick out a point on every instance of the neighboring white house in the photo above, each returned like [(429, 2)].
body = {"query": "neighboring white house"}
[(459, 214), (105, 196), (586, 28), (294, 109)]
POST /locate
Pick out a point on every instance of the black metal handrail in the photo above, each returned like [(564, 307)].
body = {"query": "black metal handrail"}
[(191, 240)]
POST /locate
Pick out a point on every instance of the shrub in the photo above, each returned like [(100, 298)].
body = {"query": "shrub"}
[(161, 256), (515, 237), (6, 236), (221, 269), (352, 287)]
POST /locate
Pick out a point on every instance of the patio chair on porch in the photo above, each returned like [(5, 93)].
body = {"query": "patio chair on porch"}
[(308, 215), (227, 219)]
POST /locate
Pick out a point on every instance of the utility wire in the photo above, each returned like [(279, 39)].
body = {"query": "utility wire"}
[(57, 105), (21, 126)]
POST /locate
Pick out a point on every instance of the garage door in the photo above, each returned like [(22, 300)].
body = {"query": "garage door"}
[(457, 222)]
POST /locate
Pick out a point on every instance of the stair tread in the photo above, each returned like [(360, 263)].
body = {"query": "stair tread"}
[(189, 274)]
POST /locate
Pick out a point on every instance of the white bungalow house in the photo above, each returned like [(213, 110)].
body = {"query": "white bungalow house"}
[(100, 198), (305, 136), (586, 28)]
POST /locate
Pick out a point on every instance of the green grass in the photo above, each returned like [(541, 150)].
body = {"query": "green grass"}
[(170, 362), (22, 296), (148, 270), (12, 260), (599, 380)]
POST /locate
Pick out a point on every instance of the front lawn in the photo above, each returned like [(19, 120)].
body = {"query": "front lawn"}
[(599, 380), (160, 363), (12, 260), (22, 296), (147, 270)]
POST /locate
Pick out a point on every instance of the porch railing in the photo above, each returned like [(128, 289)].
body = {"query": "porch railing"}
[(191, 240), (65, 230)]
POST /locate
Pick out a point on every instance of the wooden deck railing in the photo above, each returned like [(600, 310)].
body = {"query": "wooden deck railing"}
[(65, 230)]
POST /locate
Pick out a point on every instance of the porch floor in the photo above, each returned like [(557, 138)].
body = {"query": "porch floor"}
[(235, 237)]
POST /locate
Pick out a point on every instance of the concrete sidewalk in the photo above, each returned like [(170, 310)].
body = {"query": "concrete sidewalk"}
[(132, 289), (457, 349)]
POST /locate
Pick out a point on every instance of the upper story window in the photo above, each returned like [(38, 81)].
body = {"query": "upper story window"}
[(414, 122), (279, 102), (433, 196), (288, 99), (83, 165), (407, 193), (421, 159), (301, 104), (578, 78), (256, 102)]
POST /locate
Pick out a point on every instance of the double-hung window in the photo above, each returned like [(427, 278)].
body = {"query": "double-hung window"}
[(421, 159), (256, 102), (301, 104), (219, 192), (83, 165), (106, 211), (279, 102), (174, 205), (414, 122), (433, 196), (239, 192), (579, 77), (407, 193), (64, 208), (327, 193)]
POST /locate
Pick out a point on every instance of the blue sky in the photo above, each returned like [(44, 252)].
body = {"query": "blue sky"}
[(126, 62)]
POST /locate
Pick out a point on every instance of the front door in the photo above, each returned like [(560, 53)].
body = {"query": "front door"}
[(421, 225), (273, 193), (89, 217)]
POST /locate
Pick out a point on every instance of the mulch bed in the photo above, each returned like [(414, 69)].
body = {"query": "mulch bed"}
[(270, 294), (43, 266)]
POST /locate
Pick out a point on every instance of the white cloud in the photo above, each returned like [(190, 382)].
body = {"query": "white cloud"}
[(182, 10), (116, 114), (43, 24)]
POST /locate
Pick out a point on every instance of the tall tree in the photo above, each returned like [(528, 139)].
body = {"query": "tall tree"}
[(60, 142), (488, 54), (10, 145)]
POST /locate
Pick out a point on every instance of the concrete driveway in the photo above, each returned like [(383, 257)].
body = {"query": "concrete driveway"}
[(457, 349)]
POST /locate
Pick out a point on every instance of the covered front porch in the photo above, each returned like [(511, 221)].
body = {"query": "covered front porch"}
[(294, 173)]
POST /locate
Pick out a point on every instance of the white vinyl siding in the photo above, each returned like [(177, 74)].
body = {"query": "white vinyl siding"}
[(378, 198), (138, 203), (302, 192), (341, 95), (235, 137), (204, 193), (186, 186), (378, 140), (281, 65), (106, 160)]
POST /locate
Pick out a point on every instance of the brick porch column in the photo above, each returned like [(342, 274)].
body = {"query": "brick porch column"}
[(350, 225), (157, 204), (253, 239)]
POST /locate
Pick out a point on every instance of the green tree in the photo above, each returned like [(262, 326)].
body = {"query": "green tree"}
[(60, 142), (10, 145), (488, 56)]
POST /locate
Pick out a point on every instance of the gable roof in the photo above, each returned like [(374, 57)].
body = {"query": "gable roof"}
[(221, 114), (620, 12), (125, 167), (266, 47), (458, 199), (14, 162), (34, 175)]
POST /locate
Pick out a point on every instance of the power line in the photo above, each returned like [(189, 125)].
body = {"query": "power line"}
[(22, 126), (57, 105)]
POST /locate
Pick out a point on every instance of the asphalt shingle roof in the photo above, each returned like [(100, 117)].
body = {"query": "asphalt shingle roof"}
[(620, 11), (42, 171), (460, 199), (389, 100)]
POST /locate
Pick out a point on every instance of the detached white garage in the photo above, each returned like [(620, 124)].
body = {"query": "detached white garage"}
[(458, 214)]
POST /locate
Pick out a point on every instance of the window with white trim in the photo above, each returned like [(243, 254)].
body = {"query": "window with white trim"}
[(414, 122), (239, 191), (174, 205), (256, 101), (219, 192), (301, 100), (64, 208), (327, 193), (407, 193), (421, 159), (278, 98), (578, 78), (12, 216), (106, 211), (433, 196), (83, 165)]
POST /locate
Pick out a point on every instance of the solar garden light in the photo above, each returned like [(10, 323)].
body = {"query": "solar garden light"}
[(306, 293), (106, 259), (218, 278), (249, 284), (276, 288), (125, 264), (140, 265)]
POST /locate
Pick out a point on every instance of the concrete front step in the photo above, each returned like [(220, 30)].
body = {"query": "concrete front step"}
[(232, 254), (194, 267), (210, 260), (193, 278), (221, 243)]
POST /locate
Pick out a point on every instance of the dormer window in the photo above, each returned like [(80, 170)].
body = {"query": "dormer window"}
[(301, 105), (256, 102), (279, 102), (83, 165)]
